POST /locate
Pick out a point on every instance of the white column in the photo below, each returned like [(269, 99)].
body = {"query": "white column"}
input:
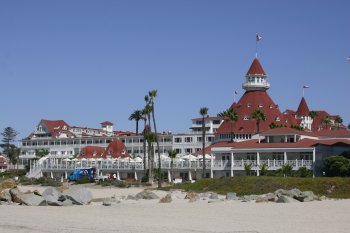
[(65, 175), (232, 163), (118, 176), (211, 166), (135, 175), (285, 157), (257, 163), (190, 175), (51, 175)]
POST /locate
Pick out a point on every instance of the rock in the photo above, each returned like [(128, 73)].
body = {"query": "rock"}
[(285, 199), (51, 195), (231, 196), (166, 199), (36, 192), (271, 197), (8, 184), (107, 201), (261, 199), (131, 197), (67, 202), (206, 194), (16, 195), (5, 195), (247, 198), (290, 193), (192, 196), (147, 195), (62, 188), (214, 196), (32, 200), (305, 196), (78, 195), (321, 198)]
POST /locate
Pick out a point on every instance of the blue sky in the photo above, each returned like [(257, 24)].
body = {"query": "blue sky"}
[(91, 61)]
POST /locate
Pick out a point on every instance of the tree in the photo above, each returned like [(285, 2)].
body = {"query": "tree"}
[(136, 115), (150, 138), (9, 136), (258, 116), (337, 166), (172, 156), (152, 95), (313, 114), (41, 152), (231, 116), (147, 118), (338, 120), (287, 169), (144, 117), (326, 120), (349, 126), (203, 112)]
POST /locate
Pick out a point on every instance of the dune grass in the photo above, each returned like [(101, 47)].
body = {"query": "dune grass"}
[(333, 187)]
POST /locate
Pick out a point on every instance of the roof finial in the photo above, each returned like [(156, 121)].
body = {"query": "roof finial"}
[(258, 38), (305, 86)]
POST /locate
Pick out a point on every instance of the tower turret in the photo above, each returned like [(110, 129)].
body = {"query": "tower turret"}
[(255, 79)]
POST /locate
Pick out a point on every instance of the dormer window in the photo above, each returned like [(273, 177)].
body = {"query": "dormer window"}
[(271, 106), (110, 152), (94, 154), (245, 118), (261, 105), (278, 119), (249, 105)]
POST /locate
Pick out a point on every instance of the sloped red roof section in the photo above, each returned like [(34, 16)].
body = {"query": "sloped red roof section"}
[(116, 149), (250, 101), (303, 109), (256, 68), (54, 125), (106, 123), (92, 152)]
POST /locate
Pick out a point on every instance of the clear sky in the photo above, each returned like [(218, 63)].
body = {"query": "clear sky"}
[(90, 61)]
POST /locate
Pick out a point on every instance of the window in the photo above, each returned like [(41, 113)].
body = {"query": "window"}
[(178, 150), (210, 139), (188, 139), (278, 119), (216, 122), (198, 122), (188, 150), (261, 105), (199, 139), (178, 140), (246, 118), (249, 105)]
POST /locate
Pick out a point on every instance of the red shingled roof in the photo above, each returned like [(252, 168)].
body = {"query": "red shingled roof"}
[(250, 101), (106, 123), (116, 149), (55, 125), (303, 109), (256, 68), (92, 152)]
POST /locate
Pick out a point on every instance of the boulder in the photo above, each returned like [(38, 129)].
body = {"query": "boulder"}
[(192, 196), (305, 196), (67, 202), (31, 199), (78, 195), (8, 184), (166, 199), (271, 197), (5, 195), (131, 197), (51, 194), (290, 193), (16, 195), (285, 199), (214, 196), (147, 195), (107, 201), (261, 199), (231, 196), (247, 198)]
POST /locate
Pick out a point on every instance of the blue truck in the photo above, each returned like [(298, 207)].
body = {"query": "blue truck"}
[(80, 173)]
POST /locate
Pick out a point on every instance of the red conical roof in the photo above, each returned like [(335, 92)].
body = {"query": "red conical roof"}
[(303, 109), (256, 68)]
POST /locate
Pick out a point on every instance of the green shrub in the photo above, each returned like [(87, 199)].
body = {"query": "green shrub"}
[(287, 169), (337, 166), (263, 169), (303, 172), (84, 180)]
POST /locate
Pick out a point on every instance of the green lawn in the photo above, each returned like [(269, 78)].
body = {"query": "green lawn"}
[(246, 185)]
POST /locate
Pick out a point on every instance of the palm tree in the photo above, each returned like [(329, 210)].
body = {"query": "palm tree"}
[(172, 156), (146, 113), (258, 116), (349, 126), (203, 111), (313, 114), (144, 117), (231, 116), (326, 120), (151, 138), (338, 120), (153, 94), (136, 115)]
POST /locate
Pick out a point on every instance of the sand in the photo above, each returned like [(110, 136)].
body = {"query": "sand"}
[(178, 216)]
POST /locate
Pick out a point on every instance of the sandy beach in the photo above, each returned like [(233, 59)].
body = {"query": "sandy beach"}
[(177, 216)]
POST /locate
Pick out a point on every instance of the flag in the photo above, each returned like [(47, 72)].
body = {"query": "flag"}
[(236, 92), (306, 86), (258, 37)]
